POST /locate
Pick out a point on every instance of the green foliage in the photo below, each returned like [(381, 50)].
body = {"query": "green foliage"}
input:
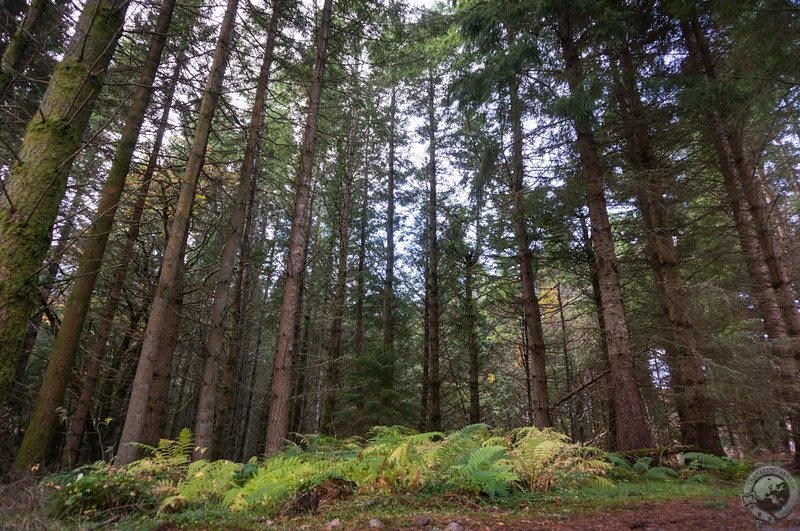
[(168, 461), (97, 491), (487, 470), (545, 459), (206, 483), (641, 468), (701, 461)]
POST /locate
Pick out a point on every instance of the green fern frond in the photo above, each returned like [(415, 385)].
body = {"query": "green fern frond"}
[(458, 444), (618, 460), (698, 460), (642, 465)]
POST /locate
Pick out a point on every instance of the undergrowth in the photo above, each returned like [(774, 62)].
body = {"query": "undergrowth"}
[(476, 463)]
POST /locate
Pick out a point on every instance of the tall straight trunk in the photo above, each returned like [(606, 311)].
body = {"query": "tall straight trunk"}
[(278, 425), (426, 356), (536, 351), (632, 430), (739, 175), (38, 180), (693, 403), (358, 333), (172, 264), (204, 421), (601, 324), (44, 420), (335, 341), (434, 378), (387, 315), (763, 251), (470, 323), (81, 416)]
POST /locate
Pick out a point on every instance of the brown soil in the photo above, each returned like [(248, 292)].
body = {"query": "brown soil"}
[(684, 515)]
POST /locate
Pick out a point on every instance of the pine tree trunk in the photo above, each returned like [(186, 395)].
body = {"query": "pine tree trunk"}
[(18, 48), (470, 323), (46, 288), (694, 406), (335, 341), (601, 324), (387, 361), (434, 378), (278, 425), (81, 416), (176, 246), (763, 253), (37, 183), (161, 378), (204, 420), (536, 352), (632, 430), (44, 420)]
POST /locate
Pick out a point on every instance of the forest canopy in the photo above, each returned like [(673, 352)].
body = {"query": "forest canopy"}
[(279, 217)]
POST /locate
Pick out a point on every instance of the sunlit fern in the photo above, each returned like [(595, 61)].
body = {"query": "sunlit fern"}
[(546, 458)]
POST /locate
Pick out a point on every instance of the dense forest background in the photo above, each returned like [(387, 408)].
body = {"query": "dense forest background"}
[(266, 218)]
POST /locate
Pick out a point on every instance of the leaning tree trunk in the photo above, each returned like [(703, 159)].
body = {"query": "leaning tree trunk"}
[(176, 245), (693, 403), (44, 420), (534, 342), (18, 49), (38, 180), (204, 420), (81, 416), (632, 430), (278, 425)]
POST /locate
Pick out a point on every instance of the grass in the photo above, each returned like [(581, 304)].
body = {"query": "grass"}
[(26, 508)]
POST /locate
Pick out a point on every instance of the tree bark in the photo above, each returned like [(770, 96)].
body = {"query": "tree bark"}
[(278, 425), (37, 183), (172, 264), (387, 361), (434, 378), (632, 430), (204, 420), (81, 415), (44, 420), (18, 48), (536, 352), (335, 341), (693, 404)]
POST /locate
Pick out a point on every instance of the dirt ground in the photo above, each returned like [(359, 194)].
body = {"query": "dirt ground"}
[(685, 515)]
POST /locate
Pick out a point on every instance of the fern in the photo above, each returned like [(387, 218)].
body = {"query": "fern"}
[(642, 465), (487, 470), (618, 460), (168, 456), (206, 483), (697, 461), (458, 444), (545, 458), (278, 480)]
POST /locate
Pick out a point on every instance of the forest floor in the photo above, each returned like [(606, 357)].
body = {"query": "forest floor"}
[(646, 505)]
